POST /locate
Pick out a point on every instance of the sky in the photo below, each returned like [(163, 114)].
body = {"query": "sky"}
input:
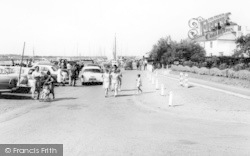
[(88, 27)]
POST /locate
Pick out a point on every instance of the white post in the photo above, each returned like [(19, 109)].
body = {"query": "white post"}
[(186, 81), (170, 102), (162, 90), (181, 79), (153, 80), (156, 84)]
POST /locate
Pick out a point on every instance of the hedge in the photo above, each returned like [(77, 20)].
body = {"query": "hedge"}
[(230, 73)]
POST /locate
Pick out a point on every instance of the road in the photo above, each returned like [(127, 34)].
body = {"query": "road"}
[(87, 123)]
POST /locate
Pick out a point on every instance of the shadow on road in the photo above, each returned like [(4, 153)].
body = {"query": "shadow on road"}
[(15, 97), (121, 95), (61, 99), (129, 89)]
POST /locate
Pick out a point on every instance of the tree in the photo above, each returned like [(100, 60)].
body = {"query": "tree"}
[(166, 51), (243, 46)]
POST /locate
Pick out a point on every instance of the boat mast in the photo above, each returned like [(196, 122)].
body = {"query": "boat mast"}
[(21, 62)]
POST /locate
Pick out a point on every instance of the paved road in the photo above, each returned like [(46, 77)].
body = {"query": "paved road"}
[(87, 123)]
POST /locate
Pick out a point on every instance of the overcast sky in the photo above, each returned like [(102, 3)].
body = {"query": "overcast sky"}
[(58, 27)]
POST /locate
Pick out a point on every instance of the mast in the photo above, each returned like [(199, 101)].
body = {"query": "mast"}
[(21, 62), (114, 54)]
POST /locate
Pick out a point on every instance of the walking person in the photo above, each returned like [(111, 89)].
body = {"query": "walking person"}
[(114, 81), (139, 84), (50, 82), (37, 77), (119, 79), (106, 81)]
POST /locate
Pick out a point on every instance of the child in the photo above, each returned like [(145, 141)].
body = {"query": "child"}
[(106, 81), (138, 84), (45, 93)]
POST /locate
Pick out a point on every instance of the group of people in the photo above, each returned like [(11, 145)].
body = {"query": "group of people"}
[(112, 80), (68, 71), (46, 82), (141, 64)]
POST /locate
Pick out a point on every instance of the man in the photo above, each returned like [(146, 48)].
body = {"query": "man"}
[(73, 75), (37, 83), (69, 72)]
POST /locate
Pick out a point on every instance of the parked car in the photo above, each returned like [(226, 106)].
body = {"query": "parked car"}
[(91, 75), (128, 65), (9, 77), (48, 67)]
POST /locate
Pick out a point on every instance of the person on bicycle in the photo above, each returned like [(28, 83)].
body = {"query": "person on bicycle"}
[(37, 77)]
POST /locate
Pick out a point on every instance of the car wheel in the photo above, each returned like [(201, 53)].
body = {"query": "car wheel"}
[(83, 83)]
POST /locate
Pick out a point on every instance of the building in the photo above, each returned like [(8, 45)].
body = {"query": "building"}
[(218, 35)]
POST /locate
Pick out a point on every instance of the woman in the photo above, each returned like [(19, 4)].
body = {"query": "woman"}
[(37, 77), (115, 81), (106, 81)]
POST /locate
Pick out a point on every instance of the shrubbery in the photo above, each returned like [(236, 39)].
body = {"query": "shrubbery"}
[(230, 73)]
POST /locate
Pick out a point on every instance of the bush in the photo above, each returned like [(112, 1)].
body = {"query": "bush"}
[(195, 69), (203, 71), (188, 63), (223, 66), (244, 74), (238, 67), (231, 73)]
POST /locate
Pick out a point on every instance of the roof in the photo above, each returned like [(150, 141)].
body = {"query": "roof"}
[(91, 67)]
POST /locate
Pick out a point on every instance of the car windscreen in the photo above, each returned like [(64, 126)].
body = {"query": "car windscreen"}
[(92, 70), (11, 70)]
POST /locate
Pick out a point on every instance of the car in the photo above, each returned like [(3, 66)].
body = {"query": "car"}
[(9, 77), (128, 65), (44, 68), (91, 75)]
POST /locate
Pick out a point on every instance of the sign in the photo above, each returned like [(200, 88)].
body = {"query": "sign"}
[(210, 28)]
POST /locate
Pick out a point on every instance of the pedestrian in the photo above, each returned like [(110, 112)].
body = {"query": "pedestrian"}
[(137, 64), (37, 77), (50, 82), (64, 76), (106, 81), (69, 67), (138, 84), (119, 79), (114, 82), (73, 76)]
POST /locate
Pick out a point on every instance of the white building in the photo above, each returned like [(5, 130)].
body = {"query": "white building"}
[(223, 44)]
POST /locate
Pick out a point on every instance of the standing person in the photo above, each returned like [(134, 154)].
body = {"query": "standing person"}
[(69, 67), (37, 77), (50, 81), (73, 75), (138, 84), (119, 79), (137, 64), (114, 81), (106, 81), (59, 76), (145, 64)]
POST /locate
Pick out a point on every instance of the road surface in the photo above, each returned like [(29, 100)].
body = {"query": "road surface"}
[(87, 123)]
